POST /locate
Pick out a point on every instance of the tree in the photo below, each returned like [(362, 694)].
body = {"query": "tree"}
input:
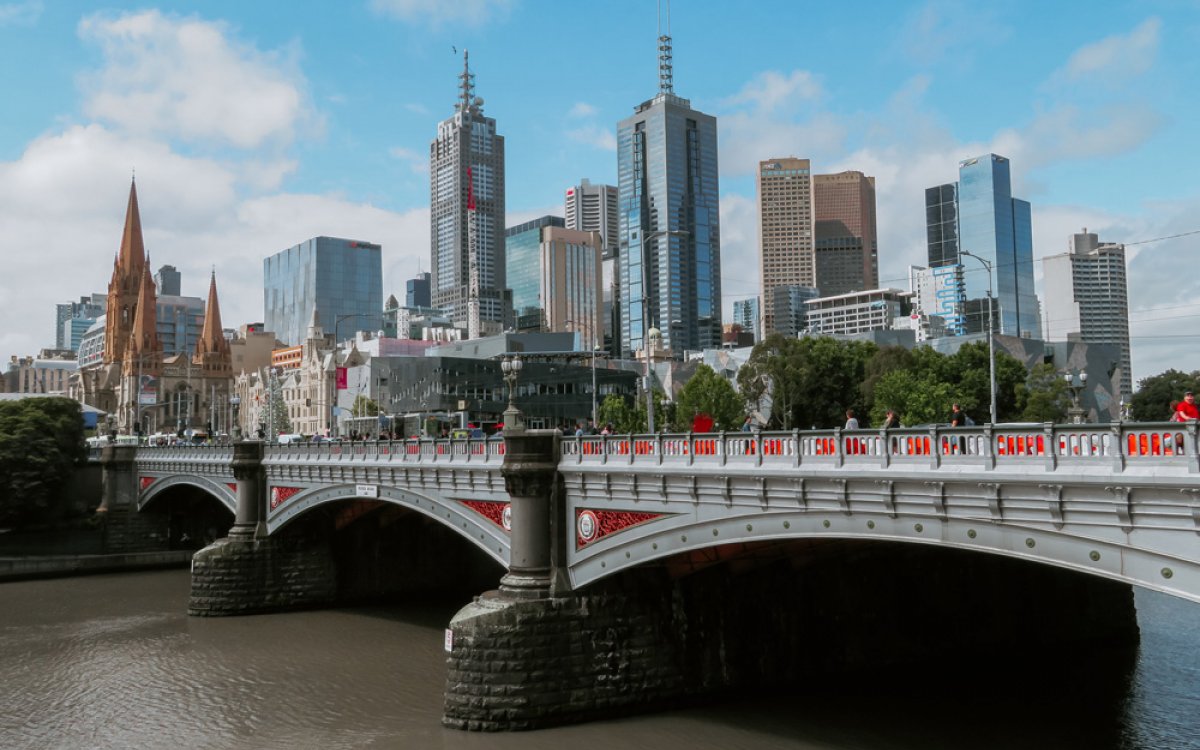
[(918, 398), (1156, 394), (1045, 397), (364, 407), (279, 418), (810, 381), (617, 411), (41, 440), (709, 393)]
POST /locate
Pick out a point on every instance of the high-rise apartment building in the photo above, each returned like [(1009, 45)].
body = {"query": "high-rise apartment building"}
[(747, 314), (669, 260), (978, 215), (466, 181), (1090, 302), (416, 291), (594, 208), (785, 232), (342, 280), (72, 319), (846, 249)]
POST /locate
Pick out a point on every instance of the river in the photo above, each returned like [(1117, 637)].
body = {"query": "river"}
[(114, 662)]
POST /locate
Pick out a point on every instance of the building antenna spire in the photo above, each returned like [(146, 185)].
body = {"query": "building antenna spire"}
[(666, 75), (468, 84)]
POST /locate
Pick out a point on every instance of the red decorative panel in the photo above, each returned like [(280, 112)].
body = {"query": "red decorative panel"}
[(147, 481), (593, 525), (280, 495), (499, 513), (232, 487)]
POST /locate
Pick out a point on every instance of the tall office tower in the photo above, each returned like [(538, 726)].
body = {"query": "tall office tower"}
[(341, 279), (416, 291), (747, 314), (522, 256), (846, 247), (594, 208), (72, 319), (790, 313), (785, 233), (669, 261), (466, 181), (168, 281), (945, 272), (1089, 301), (572, 283), (987, 222)]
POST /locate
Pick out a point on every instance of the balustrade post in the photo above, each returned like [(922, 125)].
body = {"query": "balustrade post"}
[(797, 447), (530, 473), (935, 455), (691, 448), (885, 451), (989, 446), (1051, 438), (839, 450), (1118, 455), (250, 520)]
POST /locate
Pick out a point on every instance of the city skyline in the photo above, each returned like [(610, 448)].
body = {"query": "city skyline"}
[(249, 135)]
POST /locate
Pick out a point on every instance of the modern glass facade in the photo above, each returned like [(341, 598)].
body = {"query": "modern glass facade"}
[(979, 215), (336, 277), (670, 254), (746, 313), (179, 321), (522, 251), (416, 291)]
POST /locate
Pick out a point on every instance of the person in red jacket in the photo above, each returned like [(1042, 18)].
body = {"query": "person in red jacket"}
[(1186, 410)]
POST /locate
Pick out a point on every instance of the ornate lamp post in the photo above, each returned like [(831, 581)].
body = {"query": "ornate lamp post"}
[(511, 369), (235, 402), (1076, 384)]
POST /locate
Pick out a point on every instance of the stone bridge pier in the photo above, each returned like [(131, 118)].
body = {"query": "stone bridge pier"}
[(249, 571), (790, 613), (124, 529)]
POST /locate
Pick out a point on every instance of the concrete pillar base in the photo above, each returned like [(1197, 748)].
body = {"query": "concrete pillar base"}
[(240, 575)]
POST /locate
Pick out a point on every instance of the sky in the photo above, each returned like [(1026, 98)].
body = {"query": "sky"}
[(253, 126)]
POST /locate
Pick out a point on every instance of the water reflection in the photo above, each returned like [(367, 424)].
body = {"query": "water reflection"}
[(113, 662)]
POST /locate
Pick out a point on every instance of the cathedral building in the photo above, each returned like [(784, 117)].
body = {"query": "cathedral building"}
[(142, 390)]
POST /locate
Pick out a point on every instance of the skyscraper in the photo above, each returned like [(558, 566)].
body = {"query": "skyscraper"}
[(746, 313), (1090, 300), (785, 233), (985, 220), (466, 181), (168, 281), (669, 260), (845, 248), (522, 254), (416, 291), (338, 278), (594, 208)]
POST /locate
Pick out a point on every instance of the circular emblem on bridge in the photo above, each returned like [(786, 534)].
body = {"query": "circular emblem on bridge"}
[(506, 517), (588, 525)]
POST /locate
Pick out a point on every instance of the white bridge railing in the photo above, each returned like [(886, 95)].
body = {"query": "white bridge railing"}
[(1116, 445)]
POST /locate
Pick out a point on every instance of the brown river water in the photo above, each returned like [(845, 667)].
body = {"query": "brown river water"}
[(114, 662)]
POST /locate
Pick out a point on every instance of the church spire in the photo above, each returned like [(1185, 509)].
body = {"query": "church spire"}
[(212, 349), (125, 285), (144, 346)]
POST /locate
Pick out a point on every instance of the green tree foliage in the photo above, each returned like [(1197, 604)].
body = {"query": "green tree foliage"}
[(281, 419), (708, 393), (364, 407), (1045, 397), (629, 415), (1156, 394), (918, 397), (810, 381), (887, 359), (41, 440)]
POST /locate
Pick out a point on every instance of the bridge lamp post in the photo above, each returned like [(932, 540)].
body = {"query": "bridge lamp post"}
[(991, 336), (511, 369), (1075, 384), (235, 402)]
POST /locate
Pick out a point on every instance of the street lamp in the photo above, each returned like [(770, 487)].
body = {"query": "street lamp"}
[(235, 402), (1076, 384), (991, 335), (511, 368)]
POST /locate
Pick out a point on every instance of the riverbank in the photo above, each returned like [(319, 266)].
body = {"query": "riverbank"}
[(26, 568)]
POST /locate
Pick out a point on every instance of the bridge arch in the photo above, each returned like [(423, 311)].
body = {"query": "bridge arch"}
[(673, 535), (222, 493), (491, 539)]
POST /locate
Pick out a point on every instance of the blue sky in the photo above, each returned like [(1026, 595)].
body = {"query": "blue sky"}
[(253, 126)]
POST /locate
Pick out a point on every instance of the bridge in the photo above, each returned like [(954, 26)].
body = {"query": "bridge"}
[(567, 516)]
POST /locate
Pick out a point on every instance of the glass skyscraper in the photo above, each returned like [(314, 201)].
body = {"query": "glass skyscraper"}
[(522, 250), (670, 239), (979, 215), (335, 277)]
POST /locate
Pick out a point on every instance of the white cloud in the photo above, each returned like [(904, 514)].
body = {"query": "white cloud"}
[(739, 250), (440, 12), (418, 163), (596, 136), (772, 91), (582, 109), (746, 139), (417, 108), (939, 29), (190, 79), (1120, 55), (20, 14)]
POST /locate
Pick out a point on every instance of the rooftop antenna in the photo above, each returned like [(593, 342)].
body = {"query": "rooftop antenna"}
[(468, 84), (666, 76)]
